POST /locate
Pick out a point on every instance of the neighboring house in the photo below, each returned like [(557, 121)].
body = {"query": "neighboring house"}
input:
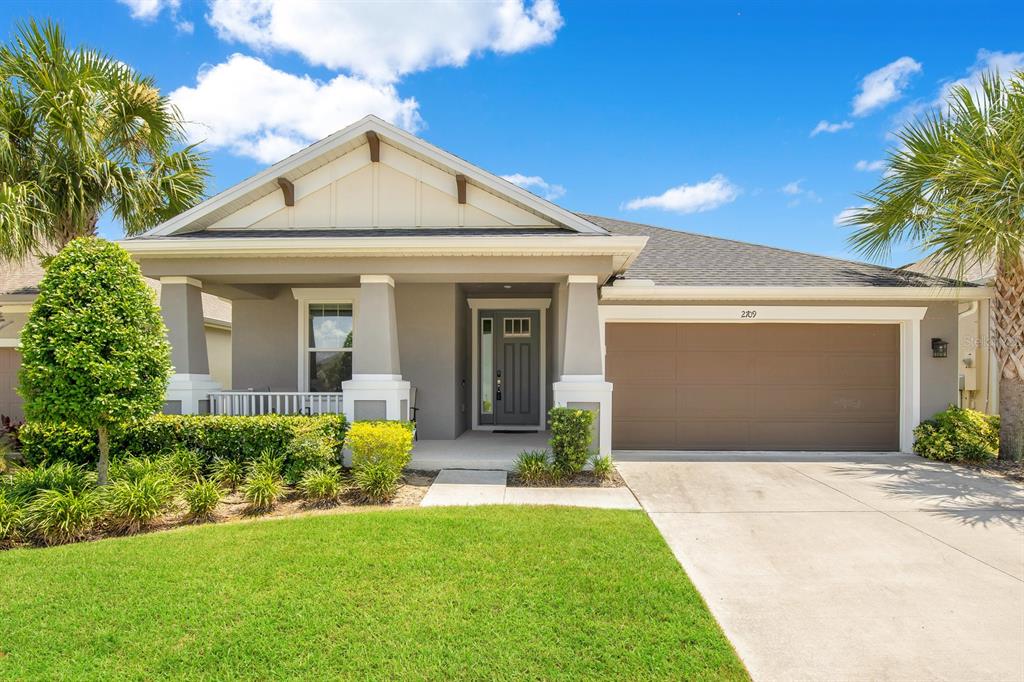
[(977, 365), (19, 286), (372, 270)]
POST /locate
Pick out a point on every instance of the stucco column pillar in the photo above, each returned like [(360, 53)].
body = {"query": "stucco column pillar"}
[(582, 383), (181, 303), (376, 390)]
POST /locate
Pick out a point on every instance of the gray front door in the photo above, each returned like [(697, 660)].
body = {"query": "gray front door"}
[(510, 367)]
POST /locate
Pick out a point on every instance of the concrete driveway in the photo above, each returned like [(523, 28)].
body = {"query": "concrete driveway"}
[(839, 567)]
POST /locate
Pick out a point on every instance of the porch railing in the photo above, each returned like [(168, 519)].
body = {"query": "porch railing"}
[(274, 402)]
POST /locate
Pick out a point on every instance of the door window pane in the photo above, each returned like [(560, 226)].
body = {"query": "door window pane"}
[(328, 369), (486, 366)]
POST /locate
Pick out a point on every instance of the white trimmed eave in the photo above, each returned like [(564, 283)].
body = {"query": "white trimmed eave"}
[(292, 167), (635, 292), (622, 249)]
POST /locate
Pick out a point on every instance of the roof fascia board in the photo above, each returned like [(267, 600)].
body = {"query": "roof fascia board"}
[(391, 134), (753, 293)]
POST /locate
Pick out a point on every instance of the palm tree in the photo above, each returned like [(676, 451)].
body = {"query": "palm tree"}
[(955, 188), (82, 134)]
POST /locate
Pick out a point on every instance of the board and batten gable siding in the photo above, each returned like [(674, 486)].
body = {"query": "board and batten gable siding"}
[(939, 384), (399, 191)]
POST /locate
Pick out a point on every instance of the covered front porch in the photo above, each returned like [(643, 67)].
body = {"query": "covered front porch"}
[(477, 450)]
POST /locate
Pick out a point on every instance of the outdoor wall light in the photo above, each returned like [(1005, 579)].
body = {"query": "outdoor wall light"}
[(940, 348)]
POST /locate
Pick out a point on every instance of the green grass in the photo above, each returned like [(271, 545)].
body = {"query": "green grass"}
[(496, 593)]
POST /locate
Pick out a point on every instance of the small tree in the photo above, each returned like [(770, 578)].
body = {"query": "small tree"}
[(94, 351)]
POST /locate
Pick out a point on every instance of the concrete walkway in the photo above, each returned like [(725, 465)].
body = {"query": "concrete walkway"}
[(825, 566), (461, 487)]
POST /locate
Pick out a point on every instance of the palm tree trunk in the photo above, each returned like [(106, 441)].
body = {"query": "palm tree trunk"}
[(1008, 328), (102, 469)]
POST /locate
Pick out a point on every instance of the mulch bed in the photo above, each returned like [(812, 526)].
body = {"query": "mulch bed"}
[(584, 479), (1001, 467)]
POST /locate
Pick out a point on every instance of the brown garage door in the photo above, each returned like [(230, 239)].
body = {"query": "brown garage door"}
[(754, 386), (10, 401)]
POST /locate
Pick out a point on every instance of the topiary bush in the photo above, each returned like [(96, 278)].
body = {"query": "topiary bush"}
[(958, 435), (234, 438), (94, 351), (571, 437)]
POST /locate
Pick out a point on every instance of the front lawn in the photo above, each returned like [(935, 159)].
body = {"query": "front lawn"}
[(497, 593)]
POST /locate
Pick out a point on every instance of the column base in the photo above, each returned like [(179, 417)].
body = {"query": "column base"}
[(588, 392), (369, 397), (190, 393)]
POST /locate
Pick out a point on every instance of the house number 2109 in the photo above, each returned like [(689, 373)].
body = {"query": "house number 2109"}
[(748, 314)]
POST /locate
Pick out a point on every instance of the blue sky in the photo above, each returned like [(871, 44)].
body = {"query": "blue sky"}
[(697, 116)]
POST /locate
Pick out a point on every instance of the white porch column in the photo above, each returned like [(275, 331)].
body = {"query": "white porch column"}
[(376, 390), (582, 383), (181, 303)]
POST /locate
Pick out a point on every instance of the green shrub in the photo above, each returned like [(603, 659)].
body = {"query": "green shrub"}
[(310, 448), (212, 437), (12, 516), (380, 452), (133, 504), (25, 484), (58, 516), (202, 498), (227, 473), (267, 463), (603, 466), (134, 468), (321, 485), (571, 436), (262, 489), (377, 480), (534, 467), (958, 435), (183, 464)]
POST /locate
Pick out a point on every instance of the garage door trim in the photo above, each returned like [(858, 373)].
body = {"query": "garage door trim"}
[(907, 317)]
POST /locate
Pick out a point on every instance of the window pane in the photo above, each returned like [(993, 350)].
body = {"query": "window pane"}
[(486, 368), (328, 369), (330, 325)]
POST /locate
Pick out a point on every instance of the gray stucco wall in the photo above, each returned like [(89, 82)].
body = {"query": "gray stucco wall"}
[(428, 347), (265, 342), (939, 387)]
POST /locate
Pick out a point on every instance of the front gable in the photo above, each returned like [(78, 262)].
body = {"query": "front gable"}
[(400, 190), (336, 184)]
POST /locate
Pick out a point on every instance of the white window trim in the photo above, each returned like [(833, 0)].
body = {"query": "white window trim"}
[(908, 318), (478, 304), (318, 295)]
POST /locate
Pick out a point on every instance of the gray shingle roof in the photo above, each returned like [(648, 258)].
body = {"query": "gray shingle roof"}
[(675, 258)]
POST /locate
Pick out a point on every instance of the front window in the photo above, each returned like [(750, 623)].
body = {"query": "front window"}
[(330, 346)]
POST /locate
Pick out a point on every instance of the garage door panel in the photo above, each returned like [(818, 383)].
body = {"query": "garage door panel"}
[(713, 402), (714, 368), (863, 370), (646, 402), (642, 367), (649, 434), (756, 386), (633, 337)]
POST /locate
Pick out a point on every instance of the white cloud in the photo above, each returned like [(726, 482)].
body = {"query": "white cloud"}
[(1005, 63), (840, 218), (827, 127), (799, 193), (382, 40), (537, 185), (147, 10), (870, 166), (884, 85), (703, 196), (254, 110)]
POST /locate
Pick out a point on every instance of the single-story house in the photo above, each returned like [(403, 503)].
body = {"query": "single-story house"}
[(372, 272), (978, 366), (19, 286)]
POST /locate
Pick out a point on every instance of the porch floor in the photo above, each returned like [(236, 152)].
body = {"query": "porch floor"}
[(476, 450)]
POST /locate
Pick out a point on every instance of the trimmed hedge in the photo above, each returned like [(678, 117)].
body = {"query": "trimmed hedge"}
[(225, 437), (571, 436)]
